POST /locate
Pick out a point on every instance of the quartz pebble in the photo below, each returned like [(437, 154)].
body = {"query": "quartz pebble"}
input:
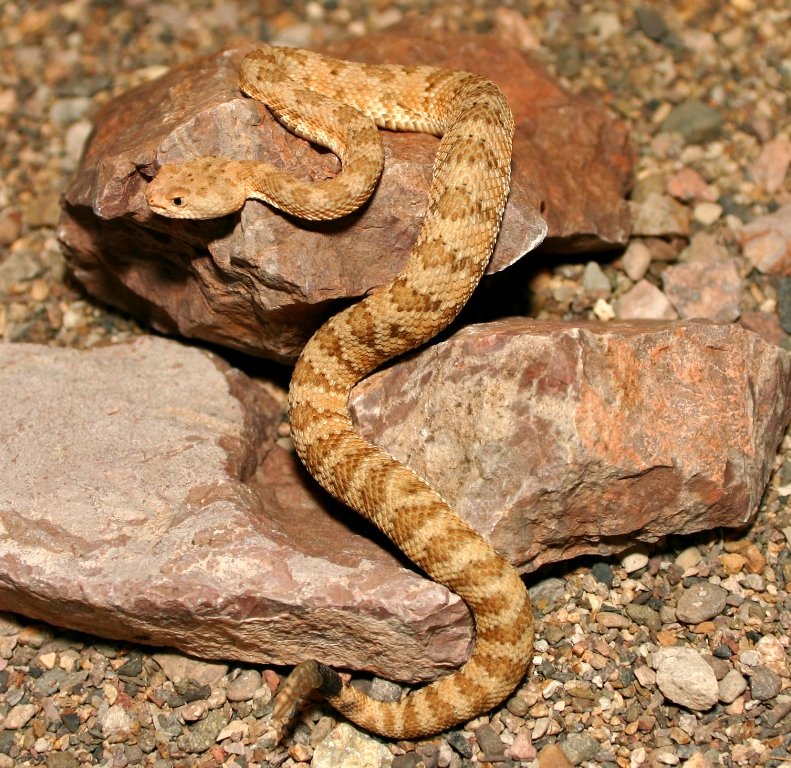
[(685, 678), (644, 302), (636, 260), (707, 213), (634, 560)]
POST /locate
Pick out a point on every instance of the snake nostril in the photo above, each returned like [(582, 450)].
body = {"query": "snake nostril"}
[(178, 201)]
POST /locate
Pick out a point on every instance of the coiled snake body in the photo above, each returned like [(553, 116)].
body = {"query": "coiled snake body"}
[(336, 103)]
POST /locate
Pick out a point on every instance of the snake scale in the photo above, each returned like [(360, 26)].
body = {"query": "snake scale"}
[(338, 104)]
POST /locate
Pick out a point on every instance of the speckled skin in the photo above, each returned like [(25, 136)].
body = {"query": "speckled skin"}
[(315, 97)]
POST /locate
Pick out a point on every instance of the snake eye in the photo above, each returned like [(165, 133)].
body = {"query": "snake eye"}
[(178, 201)]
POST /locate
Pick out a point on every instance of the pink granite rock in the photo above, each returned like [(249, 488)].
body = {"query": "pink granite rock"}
[(771, 167), (766, 242), (709, 289), (644, 302), (262, 282), (557, 439)]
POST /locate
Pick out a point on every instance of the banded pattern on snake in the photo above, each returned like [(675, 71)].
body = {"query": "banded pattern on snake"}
[(339, 104)]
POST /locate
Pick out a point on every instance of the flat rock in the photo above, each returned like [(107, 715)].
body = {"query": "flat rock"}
[(145, 497), (262, 282)]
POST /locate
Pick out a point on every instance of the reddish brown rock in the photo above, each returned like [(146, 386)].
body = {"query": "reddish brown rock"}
[(771, 167), (575, 154), (558, 440), (766, 242), (261, 281), (765, 324)]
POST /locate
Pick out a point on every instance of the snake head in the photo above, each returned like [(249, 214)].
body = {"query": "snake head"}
[(203, 188)]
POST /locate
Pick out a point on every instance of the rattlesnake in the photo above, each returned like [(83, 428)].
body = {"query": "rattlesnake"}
[(327, 100)]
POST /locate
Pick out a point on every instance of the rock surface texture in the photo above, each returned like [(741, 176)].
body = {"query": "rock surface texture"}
[(146, 498), (262, 282), (557, 440)]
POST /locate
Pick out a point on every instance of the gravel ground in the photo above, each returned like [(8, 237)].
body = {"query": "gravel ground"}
[(678, 655)]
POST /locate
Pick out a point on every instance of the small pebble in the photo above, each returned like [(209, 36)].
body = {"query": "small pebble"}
[(651, 22), (773, 654), (701, 602), (195, 710), (522, 747), (115, 721), (772, 165), (603, 573), (660, 216), (594, 281), (579, 747), (48, 660), (688, 558), (613, 620), (695, 121), (553, 756), (203, 734), (10, 225), (685, 678), (720, 301), (645, 676), (644, 615), (489, 741), (244, 686), (346, 747), (707, 213), (766, 241), (177, 667), (635, 559), (687, 184), (636, 260), (19, 716), (732, 562), (644, 302), (764, 683), (731, 687)]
